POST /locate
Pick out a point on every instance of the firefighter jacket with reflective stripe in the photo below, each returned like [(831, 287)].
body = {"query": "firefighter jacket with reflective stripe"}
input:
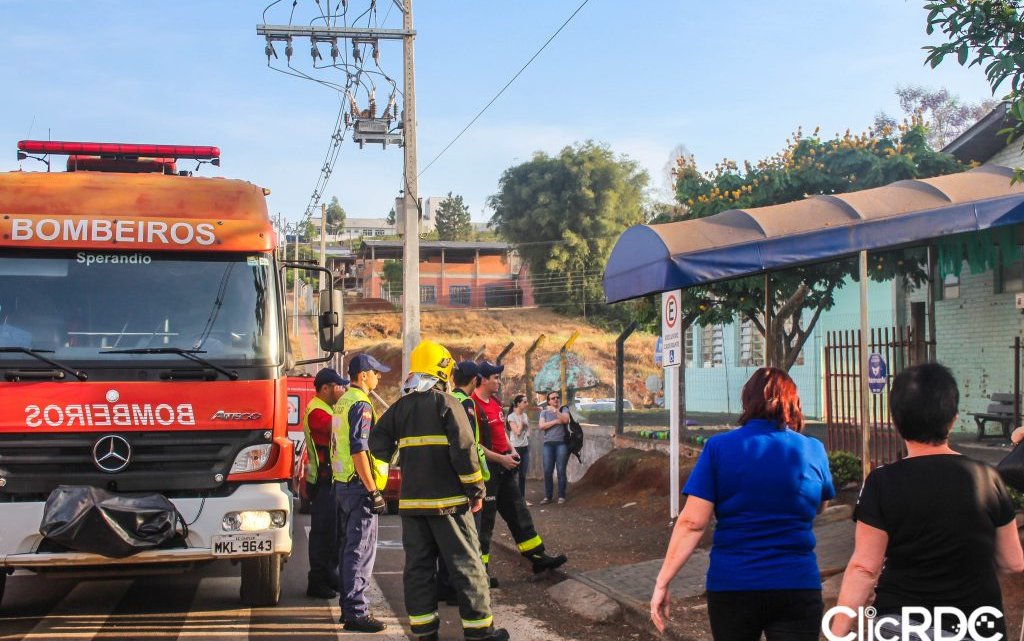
[(313, 453), (437, 451), (344, 470)]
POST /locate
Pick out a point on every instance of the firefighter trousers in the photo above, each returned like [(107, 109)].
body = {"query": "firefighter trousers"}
[(453, 538), (503, 498)]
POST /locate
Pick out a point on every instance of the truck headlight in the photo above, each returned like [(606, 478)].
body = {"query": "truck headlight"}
[(252, 459), (254, 520)]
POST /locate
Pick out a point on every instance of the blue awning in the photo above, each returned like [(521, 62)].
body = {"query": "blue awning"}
[(649, 259)]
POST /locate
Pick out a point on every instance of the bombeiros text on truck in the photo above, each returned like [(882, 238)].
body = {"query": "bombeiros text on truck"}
[(143, 368)]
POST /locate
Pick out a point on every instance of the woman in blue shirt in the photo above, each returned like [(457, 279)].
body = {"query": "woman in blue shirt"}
[(764, 482)]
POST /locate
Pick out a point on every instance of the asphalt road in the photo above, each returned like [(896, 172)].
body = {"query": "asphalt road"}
[(204, 605), (196, 606)]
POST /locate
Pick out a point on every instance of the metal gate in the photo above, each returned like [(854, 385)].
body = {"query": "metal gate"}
[(900, 348)]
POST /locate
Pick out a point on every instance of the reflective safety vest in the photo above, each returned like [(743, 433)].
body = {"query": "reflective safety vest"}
[(312, 454), (342, 467), (462, 397)]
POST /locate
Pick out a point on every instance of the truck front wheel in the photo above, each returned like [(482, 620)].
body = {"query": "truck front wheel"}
[(261, 581)]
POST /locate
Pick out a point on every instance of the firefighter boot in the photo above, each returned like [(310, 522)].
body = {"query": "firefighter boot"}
[(542, 561), (496, 634)]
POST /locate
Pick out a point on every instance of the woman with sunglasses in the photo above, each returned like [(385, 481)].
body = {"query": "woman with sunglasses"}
[(553, 420)]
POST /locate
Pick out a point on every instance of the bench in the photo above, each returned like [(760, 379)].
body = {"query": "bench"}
[(1000, 410)]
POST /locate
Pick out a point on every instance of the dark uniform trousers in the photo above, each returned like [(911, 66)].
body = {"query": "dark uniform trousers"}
[(503, 498), (453, 538), (357, 547), (323, 537)]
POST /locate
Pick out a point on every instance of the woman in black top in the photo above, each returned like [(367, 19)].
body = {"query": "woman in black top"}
[(934, 528)]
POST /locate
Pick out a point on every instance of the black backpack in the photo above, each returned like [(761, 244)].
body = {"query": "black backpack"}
[(574, 436)]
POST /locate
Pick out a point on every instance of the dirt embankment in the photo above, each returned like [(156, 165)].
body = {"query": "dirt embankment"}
[(376, 328)]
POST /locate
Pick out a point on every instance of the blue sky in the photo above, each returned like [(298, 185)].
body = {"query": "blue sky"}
[(725, 79)]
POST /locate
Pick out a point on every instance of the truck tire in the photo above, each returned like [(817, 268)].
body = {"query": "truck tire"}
[(261, 581), (3, 583)]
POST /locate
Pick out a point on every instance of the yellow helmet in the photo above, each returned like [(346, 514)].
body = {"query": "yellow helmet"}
[(431, 359)]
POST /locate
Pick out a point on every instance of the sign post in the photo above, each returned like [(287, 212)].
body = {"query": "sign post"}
[(671, 358)]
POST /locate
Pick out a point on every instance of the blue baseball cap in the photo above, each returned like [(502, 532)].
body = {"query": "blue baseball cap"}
[(328, 375), (468, 368), (365, 363), (488, 369)]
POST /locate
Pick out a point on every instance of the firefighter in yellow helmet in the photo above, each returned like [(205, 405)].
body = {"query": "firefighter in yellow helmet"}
[(442, 485)]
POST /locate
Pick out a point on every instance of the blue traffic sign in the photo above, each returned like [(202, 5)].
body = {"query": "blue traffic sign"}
[(878, 373)]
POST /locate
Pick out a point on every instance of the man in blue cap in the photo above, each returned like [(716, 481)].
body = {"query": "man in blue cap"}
[(357, 494), (323, 539)]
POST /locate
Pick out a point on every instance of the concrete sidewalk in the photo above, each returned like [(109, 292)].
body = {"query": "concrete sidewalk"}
[(631, 585)]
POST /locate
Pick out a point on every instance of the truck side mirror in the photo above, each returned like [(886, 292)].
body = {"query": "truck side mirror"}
[(331, 321)]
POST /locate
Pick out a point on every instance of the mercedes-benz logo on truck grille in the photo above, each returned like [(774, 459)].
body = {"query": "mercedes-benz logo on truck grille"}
[(111, 453)]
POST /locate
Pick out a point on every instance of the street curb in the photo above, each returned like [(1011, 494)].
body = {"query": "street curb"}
[(635, 613)]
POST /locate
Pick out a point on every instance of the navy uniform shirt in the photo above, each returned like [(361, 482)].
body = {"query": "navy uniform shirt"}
[(360, 420)]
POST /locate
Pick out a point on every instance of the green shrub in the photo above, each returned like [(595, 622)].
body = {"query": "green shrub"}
[(845, 468)]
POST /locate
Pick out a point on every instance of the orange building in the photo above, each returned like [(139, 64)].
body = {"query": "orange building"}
[(452, 273)]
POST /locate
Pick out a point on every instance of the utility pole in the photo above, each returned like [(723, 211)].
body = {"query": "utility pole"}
[(323, 260), (411, 248), (323, 245), (295, 282), (376, 129)]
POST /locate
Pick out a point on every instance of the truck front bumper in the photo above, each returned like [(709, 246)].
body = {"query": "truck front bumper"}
[(20, 538)]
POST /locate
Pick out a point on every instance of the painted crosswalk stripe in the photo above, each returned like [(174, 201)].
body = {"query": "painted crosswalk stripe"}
[(206, 619), (78, 616)]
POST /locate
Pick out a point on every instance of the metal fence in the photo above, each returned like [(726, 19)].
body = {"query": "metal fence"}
[(899, 348)]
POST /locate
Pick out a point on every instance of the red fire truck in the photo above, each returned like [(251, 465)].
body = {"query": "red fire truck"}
[(143, 350)]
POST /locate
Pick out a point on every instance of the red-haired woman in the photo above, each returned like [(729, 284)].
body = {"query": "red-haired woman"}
[(764, 482)]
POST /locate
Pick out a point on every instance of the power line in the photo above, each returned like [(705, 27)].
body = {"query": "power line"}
[(507, 85)]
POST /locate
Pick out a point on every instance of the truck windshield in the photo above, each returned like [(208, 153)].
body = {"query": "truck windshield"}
[(78, 304)]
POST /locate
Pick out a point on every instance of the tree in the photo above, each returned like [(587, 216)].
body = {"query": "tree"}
[(452, 221), (391, 217), (944, 114), (335, 223), (987, 33), (808, 165), (667, 180), (391, 273), (565, 212)]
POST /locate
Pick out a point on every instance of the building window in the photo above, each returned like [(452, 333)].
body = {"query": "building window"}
[(293, 409), (503, 295), (380, 232), (951, 287), (459, 295), (428, 295), (751, 345), (712, 346)]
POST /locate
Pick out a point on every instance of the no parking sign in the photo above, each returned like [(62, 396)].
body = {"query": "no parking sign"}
[(671, 329)]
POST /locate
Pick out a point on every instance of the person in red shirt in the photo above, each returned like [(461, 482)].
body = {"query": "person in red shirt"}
[(503, 495), (323, 549)]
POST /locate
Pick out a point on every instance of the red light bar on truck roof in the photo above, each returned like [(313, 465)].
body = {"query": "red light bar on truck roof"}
[(119, 150)]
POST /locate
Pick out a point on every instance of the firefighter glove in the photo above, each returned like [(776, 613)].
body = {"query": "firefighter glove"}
[(380, 506)]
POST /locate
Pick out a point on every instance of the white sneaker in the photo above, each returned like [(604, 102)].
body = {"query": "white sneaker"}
[(528, 504), (545, 501), (561, 501)]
